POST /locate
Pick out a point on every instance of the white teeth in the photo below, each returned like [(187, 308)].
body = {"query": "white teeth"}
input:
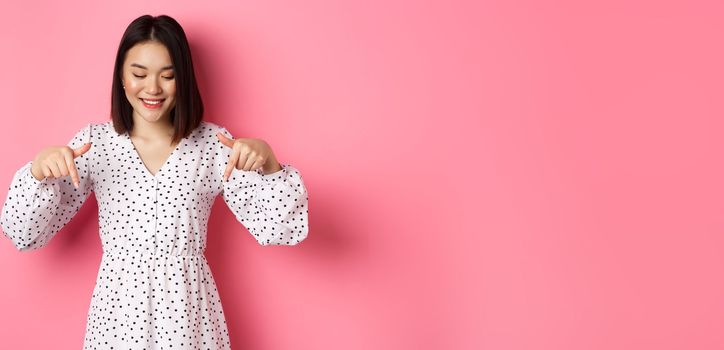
[(152, 102)]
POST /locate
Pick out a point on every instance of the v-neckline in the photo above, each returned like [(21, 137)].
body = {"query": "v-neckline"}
[(143, 164)]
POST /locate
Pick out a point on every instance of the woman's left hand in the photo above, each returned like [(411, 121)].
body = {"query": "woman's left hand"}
[(249, 154)]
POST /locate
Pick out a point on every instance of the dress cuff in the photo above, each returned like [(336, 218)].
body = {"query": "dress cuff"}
[(29, 174), (275, 176)]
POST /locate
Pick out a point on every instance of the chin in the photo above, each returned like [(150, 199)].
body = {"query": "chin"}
[(151, 117), (154, 117)]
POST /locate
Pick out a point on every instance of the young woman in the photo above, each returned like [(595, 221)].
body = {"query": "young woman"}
[(155, 168)]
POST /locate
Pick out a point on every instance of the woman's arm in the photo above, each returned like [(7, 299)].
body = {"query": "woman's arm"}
[(35, 210), (273, 206)]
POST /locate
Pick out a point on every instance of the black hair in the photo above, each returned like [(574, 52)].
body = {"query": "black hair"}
[(188, 111)]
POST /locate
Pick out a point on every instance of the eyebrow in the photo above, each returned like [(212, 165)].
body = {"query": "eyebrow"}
[(140, 66)]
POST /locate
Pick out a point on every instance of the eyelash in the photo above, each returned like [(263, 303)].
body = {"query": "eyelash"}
[(143, 76)]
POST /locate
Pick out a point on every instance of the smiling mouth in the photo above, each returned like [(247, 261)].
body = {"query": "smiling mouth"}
[(152, 104)]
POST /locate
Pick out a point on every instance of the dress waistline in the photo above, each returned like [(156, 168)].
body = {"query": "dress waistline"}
[(156, 254)]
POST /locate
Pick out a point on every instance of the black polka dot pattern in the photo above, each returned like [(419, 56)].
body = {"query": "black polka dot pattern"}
[(154, 288)]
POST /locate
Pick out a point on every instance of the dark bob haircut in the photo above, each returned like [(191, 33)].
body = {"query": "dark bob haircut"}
[(188, 112)]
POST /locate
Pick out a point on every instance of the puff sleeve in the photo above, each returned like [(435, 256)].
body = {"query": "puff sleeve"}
[(272, 207), (34, 211)]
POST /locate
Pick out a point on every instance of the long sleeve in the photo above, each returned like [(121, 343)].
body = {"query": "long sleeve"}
[(34, 211), (273, 207)]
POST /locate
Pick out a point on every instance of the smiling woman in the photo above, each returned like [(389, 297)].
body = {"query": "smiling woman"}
[(153, 79), (149, 84), (156, 168)]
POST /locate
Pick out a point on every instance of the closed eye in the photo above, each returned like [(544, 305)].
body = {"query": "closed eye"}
[(143, 76)]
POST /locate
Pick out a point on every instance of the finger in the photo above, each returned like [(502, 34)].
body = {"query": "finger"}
[(225, 140), (70, 163), (54, 170), (250, 160), (62, 166), (243, 160), (258, 164), (81, 150), (244, 151), (233, 159), (46, 170)]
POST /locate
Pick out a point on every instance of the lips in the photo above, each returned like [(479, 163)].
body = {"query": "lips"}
[(152, 103)]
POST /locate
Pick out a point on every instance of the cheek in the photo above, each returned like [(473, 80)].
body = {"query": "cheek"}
[(133, 87), (171, 92)]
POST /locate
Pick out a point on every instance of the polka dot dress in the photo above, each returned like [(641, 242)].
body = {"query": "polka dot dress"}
[(154, 288)]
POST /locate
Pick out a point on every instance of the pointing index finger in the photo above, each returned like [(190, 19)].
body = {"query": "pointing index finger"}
[(233, 159), (70, 163)]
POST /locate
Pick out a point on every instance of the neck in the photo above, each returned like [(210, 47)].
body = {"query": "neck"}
[(161, 129)]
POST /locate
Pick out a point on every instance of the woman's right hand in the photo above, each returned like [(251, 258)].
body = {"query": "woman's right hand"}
[(58, 161)]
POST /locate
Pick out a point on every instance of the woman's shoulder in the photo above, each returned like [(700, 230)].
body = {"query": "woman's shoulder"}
[(209, 130), (100, 128), (210, 127), (92, 131), (205, 134)]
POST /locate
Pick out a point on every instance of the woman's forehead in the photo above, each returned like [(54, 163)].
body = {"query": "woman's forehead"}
[(153, 56)]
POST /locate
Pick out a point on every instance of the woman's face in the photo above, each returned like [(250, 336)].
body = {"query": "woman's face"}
[(148, 77)]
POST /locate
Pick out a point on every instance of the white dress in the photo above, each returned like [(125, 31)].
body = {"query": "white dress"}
[(154, 288)]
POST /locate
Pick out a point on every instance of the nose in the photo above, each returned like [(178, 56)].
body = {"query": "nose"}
[(153, 86)]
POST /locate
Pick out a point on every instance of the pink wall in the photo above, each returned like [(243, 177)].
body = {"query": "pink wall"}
[(482, 175)]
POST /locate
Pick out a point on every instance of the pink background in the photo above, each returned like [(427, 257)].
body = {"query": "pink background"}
[(482, 175)]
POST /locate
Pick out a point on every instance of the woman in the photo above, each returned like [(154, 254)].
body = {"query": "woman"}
[(155, 168)]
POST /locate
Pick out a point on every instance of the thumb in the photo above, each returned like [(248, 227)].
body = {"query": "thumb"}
[(81, 150), (225, 140)]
